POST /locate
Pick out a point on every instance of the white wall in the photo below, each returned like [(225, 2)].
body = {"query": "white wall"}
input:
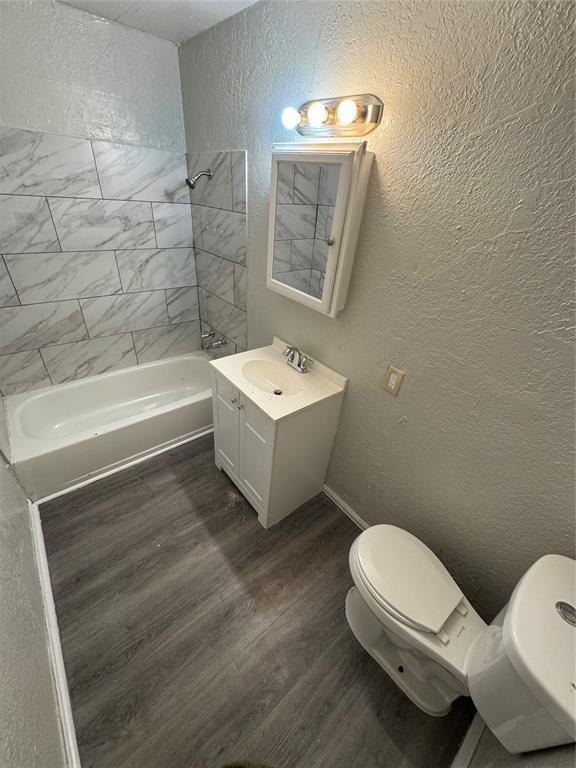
[(66, 71), (463, 276), (28, 715)]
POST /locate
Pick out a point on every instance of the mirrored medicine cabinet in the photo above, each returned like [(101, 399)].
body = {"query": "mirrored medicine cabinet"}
[(316, 202)]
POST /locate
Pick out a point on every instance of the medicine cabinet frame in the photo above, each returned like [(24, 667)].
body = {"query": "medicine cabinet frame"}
[(355, 163)]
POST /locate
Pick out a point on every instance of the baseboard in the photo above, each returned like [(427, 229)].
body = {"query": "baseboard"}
[(346, 508), (467, 749), (54, 647)]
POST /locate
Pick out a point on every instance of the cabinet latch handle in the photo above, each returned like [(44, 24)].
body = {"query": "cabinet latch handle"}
[(240, 407), (233, 400)]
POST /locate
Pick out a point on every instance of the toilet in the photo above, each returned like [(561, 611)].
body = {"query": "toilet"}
[(520, 671)]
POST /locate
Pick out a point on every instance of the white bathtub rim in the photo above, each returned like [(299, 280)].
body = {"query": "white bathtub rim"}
[(25, 447), (23, 396)]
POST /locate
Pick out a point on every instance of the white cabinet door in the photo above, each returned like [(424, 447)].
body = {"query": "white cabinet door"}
[(227, 418), (256, 453)]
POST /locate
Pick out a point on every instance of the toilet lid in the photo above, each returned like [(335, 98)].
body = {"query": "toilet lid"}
[(404, 574), (539, 635)]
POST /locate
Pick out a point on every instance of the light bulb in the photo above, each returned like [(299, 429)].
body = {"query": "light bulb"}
[(290, 118), (347, 111), (317, 114)]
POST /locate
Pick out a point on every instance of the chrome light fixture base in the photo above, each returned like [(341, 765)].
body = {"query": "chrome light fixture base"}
[(368, 117)]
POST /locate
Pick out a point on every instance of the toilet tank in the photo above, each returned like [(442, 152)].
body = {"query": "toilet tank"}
[(522, 668)]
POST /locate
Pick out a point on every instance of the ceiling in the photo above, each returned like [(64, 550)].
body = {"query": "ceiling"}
[(175, 20)]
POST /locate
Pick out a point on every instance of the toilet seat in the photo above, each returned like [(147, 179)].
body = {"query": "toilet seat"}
[(411, 573), (405, 578)]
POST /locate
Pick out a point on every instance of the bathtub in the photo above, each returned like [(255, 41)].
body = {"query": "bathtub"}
[(66, 434)]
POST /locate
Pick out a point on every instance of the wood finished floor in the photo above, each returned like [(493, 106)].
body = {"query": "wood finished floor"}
[(192, 637)]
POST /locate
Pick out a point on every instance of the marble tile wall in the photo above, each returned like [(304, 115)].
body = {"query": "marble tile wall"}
[(219, 221), (305, 201), (97, 265)]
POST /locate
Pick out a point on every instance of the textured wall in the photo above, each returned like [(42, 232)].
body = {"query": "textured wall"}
[(463, 275), (97, 266), (66, 71), (28, 716)]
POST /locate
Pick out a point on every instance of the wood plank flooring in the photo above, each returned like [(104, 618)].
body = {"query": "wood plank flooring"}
[(192, 637), (491, 754)]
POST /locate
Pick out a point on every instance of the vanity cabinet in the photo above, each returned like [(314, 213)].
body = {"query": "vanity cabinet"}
[(277, 463), (243, 442)]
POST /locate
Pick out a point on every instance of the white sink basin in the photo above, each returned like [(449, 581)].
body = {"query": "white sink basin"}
[(265, 378), (273, 378)]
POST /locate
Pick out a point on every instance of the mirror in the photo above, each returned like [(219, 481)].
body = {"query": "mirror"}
[(305, 202), (309, 221)]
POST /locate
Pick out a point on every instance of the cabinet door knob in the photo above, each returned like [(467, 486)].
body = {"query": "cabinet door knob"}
[(233, 400), (240, 407), (330, 241)]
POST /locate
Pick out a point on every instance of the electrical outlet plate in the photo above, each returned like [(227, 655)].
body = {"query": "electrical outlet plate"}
[(393, 380)]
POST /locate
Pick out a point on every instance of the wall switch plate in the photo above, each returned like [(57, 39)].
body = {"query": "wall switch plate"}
[(393, 380)]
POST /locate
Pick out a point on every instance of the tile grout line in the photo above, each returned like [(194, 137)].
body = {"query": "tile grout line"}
[(134, 348), (118, 270), (94, 338), (199, 311), (39, 350), (116, 295), (54, 225), (221, 299), (231, 184), (96, 168), (166, 301), (83, 319), (3, 258), (154, 225), (225, 258), (105, 250), (104, 199)]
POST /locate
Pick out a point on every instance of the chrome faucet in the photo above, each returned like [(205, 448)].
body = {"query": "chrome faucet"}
[(296, 359), (215, 344)]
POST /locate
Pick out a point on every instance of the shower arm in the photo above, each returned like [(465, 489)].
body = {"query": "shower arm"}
[(192, 182)]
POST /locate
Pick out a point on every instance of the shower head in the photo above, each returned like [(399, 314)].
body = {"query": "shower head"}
[(192, 181)]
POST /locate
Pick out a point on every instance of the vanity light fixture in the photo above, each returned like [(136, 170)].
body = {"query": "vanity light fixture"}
[(347, 111), (317, 114), (290, 118), (343, 116)]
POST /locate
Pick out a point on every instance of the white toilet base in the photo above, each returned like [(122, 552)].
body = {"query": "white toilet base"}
[(415, 675)]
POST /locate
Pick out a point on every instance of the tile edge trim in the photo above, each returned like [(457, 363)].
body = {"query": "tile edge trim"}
[(467, 749), (63, 703)]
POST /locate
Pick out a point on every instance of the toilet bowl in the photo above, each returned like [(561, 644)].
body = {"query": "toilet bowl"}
[(410, 615)]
